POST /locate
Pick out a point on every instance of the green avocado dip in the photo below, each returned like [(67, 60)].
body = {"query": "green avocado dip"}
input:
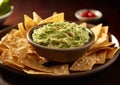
[(61, 35), (5, 6)]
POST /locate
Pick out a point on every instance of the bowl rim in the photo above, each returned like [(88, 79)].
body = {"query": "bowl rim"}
[(8, 13), (97, 12), (29, 38)]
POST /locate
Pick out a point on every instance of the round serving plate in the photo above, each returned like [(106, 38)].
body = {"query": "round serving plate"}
[(96, 68)]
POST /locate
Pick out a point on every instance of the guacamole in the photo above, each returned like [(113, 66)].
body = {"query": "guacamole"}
[(5, 6), (61, 35)]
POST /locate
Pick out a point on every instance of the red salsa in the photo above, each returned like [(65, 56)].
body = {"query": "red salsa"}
[(88, 14)]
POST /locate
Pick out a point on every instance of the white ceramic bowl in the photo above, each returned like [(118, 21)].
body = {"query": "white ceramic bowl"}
[(5, 16), (98, 15)]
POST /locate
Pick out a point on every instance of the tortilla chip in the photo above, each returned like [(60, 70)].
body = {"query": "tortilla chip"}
[(56, 18), (60, 69), (54, 13), (18, 34), (34, 72), (84, 63), (105, 30), (29, 22), (98, 49), (34, 63), (97, 30), (83, 24), (22, 29), (2, 48), (63, 70), (100, 40), (9, 60), (101, 57), (111, 52), (36, 18)]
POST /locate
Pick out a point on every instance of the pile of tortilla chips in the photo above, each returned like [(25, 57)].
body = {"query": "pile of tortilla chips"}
[(17, 53)]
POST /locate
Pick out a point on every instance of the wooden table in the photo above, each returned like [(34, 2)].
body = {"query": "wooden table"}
[(45, 8)]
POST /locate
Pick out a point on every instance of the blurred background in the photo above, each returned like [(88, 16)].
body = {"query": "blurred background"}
[(45, 8)]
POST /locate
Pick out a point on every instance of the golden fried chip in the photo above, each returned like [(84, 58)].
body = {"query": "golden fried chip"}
[(97, 30), (16, 45), (54, 13), (111, 52), (58, 70), (6, 40), (2, 48), (21, 53), (7, 36), (104, 44), (36, 18), (18, 34), (101, 40), (84, 24), (10, 60), (94, 50), (29, 22), (22, 29), (105, 29), (34, 72), (101, 57), (35, 63), (56, 18), (85, 63)]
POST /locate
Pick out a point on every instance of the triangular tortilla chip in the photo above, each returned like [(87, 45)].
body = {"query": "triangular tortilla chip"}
[(56, 18), (105, 29), (22, 29), (9, 60), (28, 22), (101, 57), (84, 24), (54, 13), (97, 30), (84, 63), (58, 70), (36, 18), (111, 52)]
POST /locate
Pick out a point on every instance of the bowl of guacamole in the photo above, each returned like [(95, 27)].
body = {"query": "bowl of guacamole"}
[(60, 41), (6, 9)]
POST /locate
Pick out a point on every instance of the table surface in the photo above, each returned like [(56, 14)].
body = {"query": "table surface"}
[(45, 8)]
